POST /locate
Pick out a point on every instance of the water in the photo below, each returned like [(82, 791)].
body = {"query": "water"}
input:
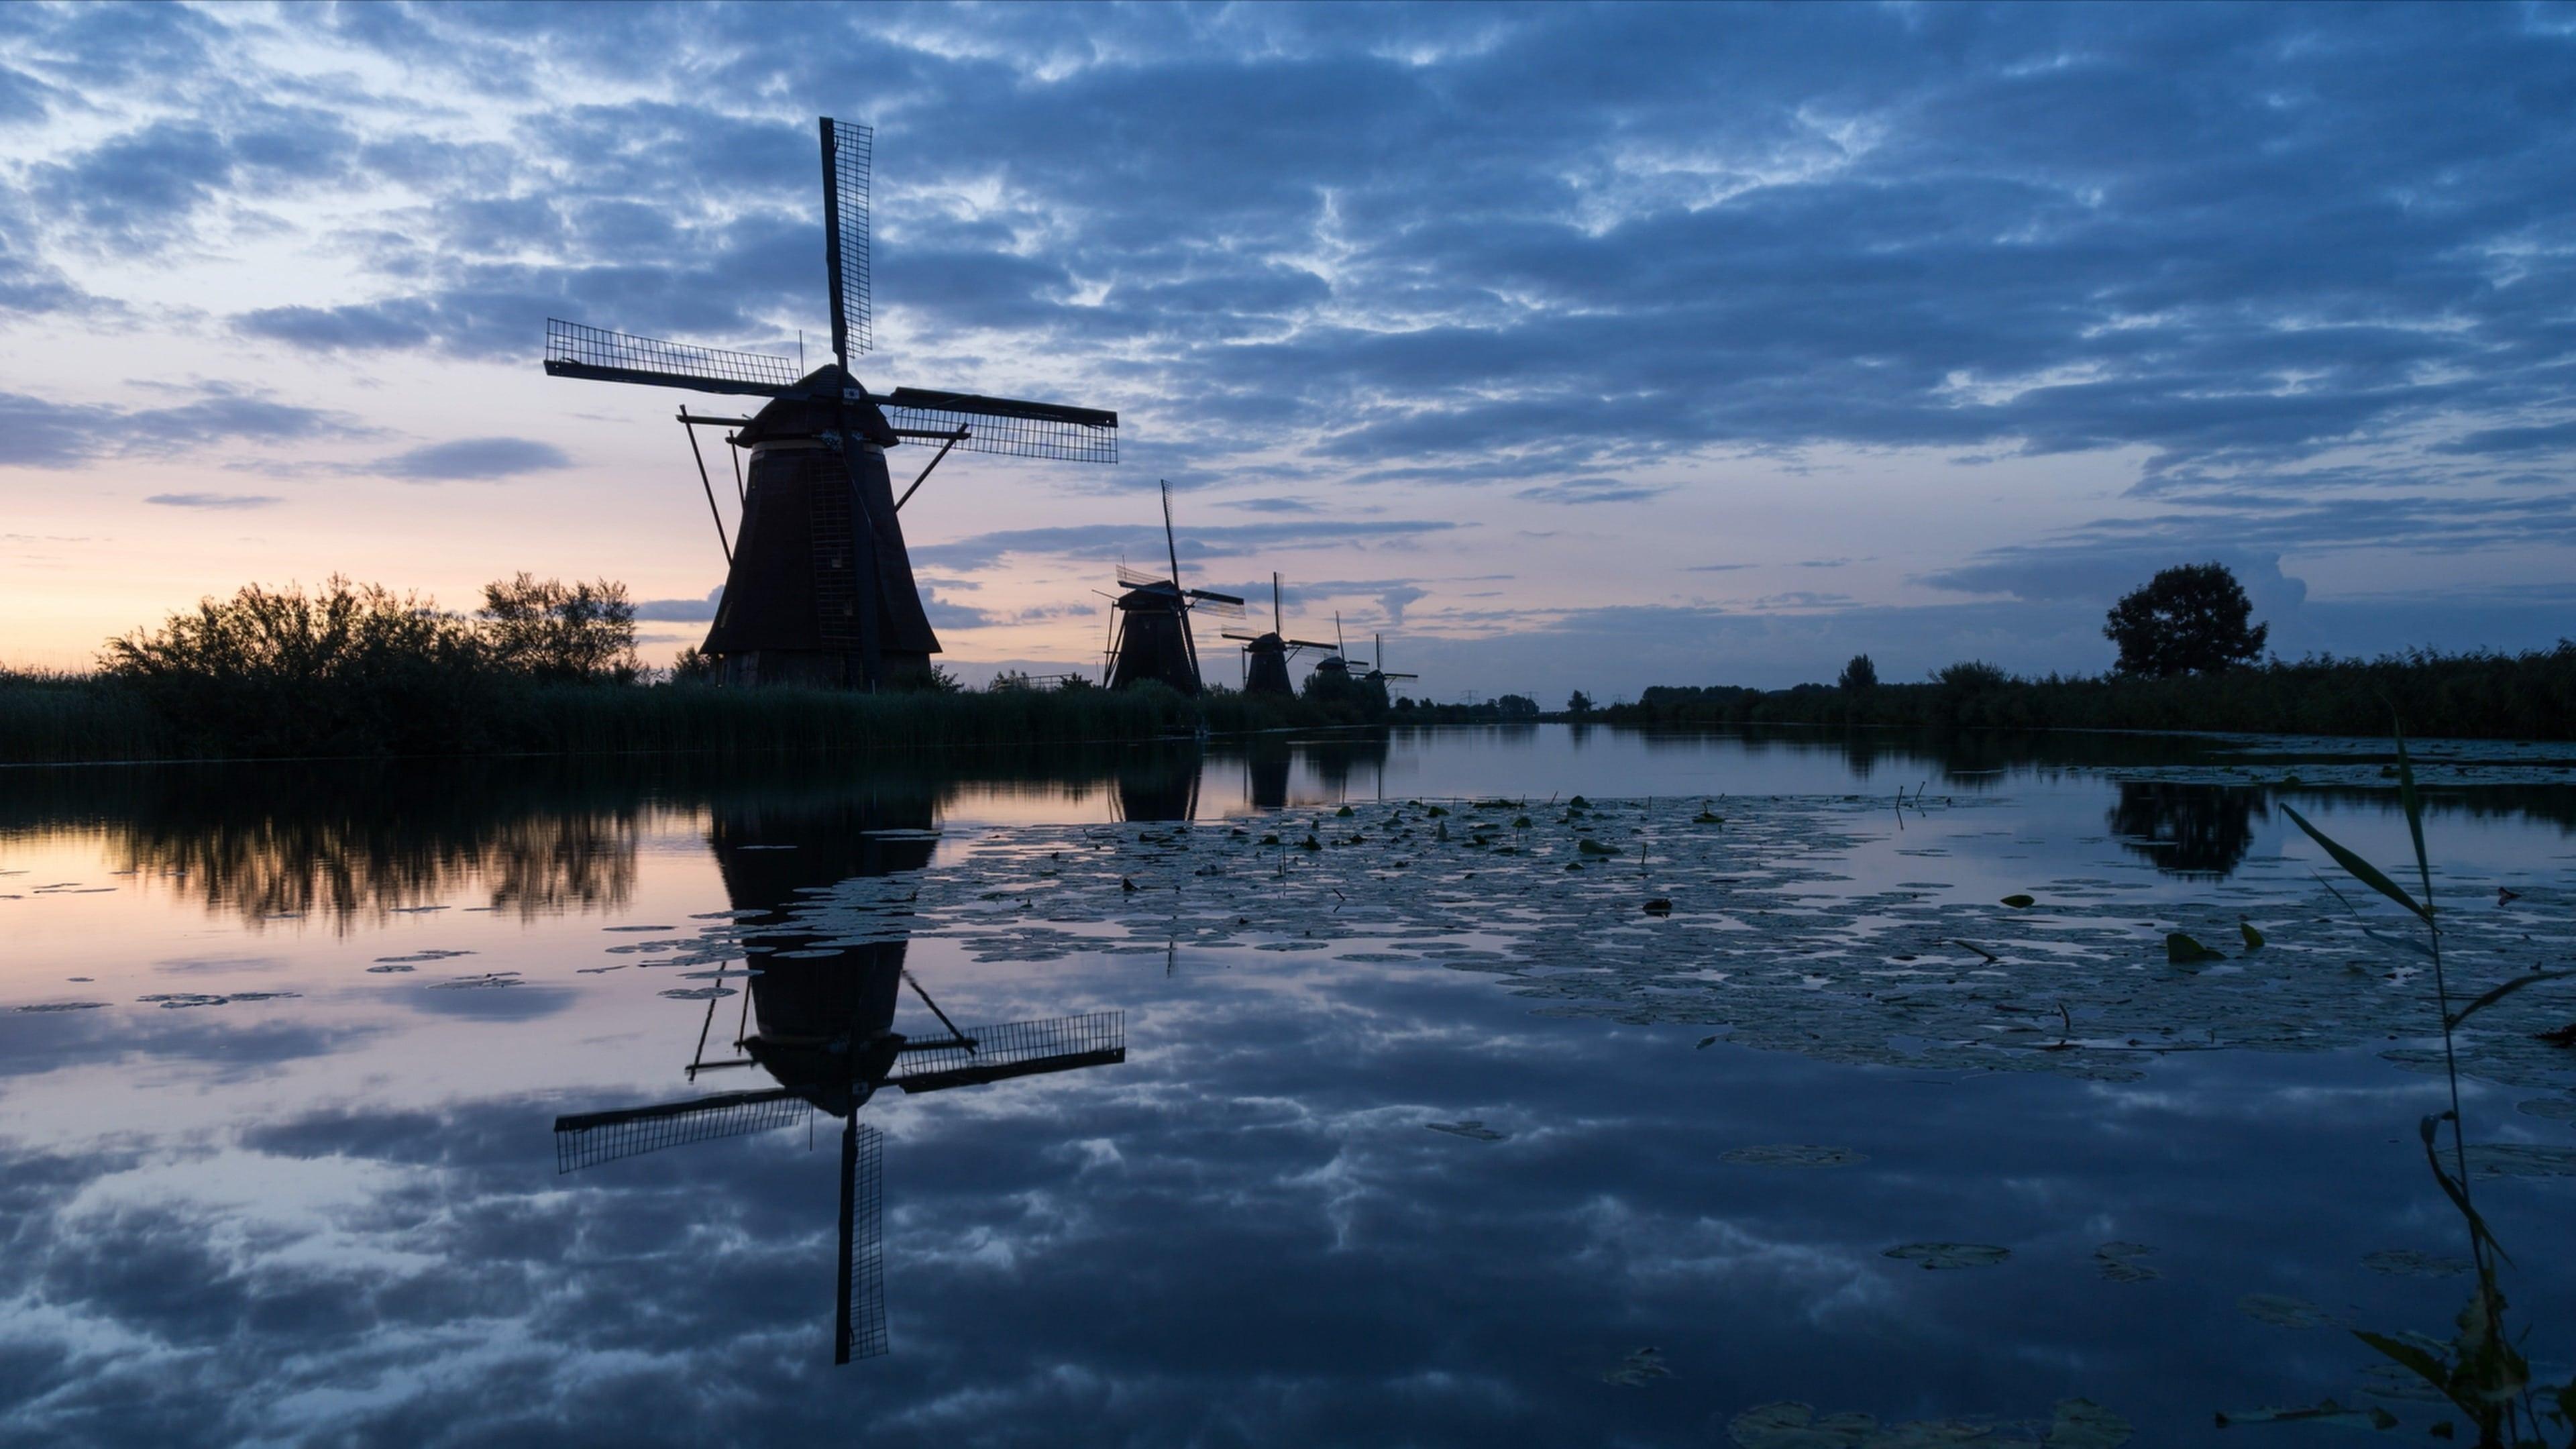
[(1482, 1184)]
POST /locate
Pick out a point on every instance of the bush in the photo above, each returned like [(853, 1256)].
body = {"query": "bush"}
[(547, 629), (345, 669)]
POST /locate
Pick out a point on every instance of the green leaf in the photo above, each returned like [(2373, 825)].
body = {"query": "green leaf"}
[(2501, 992), (2360, 869), (2253, 938), (2182, 950), (2020, 903), (2419, 1362)]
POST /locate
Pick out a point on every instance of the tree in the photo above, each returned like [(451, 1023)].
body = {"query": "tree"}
[(1578, 703), (547, 629), (2190, 619), (1516, 706), (1859, 676)]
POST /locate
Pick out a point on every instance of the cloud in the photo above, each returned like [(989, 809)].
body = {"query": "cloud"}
[(42, 433), (214, 500), (471, 459), (681, 611), (1105, 541), (1593, 490), (1725, 568)]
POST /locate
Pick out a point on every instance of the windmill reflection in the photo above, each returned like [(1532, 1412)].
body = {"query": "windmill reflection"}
[(2199, 831), (819, 1020)]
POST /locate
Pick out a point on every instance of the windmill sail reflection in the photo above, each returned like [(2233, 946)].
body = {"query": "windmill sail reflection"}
[(820, 1022)]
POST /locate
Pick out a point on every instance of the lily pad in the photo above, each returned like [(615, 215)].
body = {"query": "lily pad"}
[(2283, 1311), (2411, 1263), (698, 993), (2327, 1412), (2118, 1262), (2182, 950), (1796, 1154), (1472, 1130), (2020, 902), (1640, 1368), (2084, 1424), (1950, 1255), (2520, 1159)]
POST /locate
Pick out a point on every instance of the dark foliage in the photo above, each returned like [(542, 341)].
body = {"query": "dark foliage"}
[(1858, 676), (2484, 695), (550, 630), (2191, 619)]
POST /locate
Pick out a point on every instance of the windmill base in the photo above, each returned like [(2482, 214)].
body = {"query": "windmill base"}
[(817, 669)]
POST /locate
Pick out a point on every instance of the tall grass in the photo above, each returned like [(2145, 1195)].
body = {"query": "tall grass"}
[(2480, 694), (2481, 1371)]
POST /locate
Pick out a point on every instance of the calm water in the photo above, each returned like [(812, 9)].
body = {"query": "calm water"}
[(318, 1091)]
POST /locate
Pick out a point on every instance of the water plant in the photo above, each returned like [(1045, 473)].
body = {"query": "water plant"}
[(2480, 1371)]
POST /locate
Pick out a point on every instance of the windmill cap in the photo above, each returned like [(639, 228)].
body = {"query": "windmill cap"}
[(822, 401)]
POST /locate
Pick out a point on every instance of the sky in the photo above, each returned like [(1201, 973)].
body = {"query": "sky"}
[(1567, 348)]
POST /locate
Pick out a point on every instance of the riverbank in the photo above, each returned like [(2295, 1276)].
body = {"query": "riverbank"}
[(68, 719), (2530, 696)]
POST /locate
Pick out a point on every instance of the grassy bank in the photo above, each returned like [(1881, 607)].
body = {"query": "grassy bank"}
[(65, 718), (2474, 695)]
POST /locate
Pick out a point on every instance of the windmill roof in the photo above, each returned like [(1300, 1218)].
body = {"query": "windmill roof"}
[(817, 405)]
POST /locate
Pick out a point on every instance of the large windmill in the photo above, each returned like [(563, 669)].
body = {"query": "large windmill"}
[(1150, 635), (1266, 656), (1378, 673), (825, 1033), (818, 586)]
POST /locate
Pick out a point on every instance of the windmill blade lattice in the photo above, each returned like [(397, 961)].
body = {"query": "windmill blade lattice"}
[(573, 350), (849, 154), (591, 1138), (859, 1317), (1019, 1049), (1006, 426)]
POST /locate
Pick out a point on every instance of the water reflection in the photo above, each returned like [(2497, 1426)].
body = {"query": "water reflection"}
[(819, 1021), (2199, 832)]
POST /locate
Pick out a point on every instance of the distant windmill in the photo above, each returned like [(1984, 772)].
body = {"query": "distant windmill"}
[(1266, 656), (1150, 638), (819, 588), (1378, 674)]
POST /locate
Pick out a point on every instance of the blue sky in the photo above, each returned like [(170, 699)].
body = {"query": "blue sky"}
[(1571, 347)]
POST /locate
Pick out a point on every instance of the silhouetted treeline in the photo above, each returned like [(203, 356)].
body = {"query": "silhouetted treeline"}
[(2480, 695)]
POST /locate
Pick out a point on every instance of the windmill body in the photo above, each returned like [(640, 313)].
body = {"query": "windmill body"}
[(820, 578), (818, 584)]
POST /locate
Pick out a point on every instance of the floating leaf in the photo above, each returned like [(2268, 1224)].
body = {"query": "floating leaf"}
[(2084, 1424), (2020, 902), (1950, 1255), (2182, 950), (2283, 1311), (2118, 1262), (1640, 1368), (1793, 1154), (2253, 938), (2411, 1263), (2327, 1412), (1471, 1129)]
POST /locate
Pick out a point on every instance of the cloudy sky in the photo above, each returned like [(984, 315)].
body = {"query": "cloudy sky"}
[(1590, 348)]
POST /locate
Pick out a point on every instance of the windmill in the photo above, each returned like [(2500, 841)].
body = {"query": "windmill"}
[(818, 586), (1378, 674), (1150, 633), (825, 1033), (1266, 656)]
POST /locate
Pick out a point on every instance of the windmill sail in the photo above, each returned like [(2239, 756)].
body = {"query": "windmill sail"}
[(1005, 426), (573, 350), (849, 152), (591, 1138), (1019, 1049), (859, 1312)]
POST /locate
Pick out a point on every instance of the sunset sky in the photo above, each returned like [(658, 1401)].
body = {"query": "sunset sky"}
[(1569, 347)]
